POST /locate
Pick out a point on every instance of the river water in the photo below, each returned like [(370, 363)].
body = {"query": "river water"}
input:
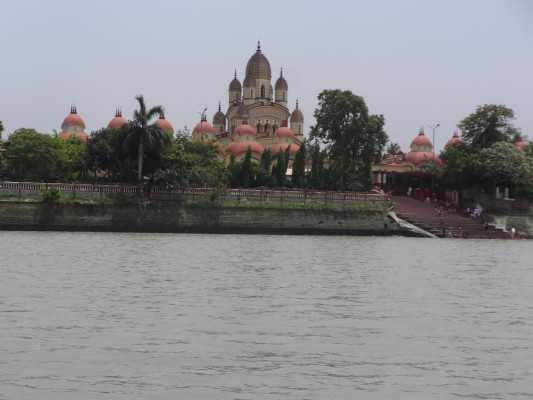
[(178, 316)]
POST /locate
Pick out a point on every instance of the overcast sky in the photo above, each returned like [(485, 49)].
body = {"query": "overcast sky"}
[(417, 62)]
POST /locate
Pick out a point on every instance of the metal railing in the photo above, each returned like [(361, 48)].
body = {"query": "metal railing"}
[(203, 194)]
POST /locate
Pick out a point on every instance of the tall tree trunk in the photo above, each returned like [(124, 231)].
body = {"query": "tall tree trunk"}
[(140, 161)]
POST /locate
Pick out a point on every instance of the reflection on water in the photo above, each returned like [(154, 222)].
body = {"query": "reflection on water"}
[(162, 316)]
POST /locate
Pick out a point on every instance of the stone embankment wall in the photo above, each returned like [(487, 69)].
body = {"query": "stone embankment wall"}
[(156, 217)]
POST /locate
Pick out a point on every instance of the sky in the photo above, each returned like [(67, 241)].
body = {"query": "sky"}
[(418, 62)]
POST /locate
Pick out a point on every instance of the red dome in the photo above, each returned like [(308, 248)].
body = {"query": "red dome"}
[(117, 120), (421, 140), (244, 129), (454, 139), (419, 157), (274, 148), (66, 135), (521, 144), (203, 126), (163, 123), (73, 119), (239, 148), (284, 132)]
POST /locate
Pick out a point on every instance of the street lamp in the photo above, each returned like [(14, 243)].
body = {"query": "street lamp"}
[(434, 128)]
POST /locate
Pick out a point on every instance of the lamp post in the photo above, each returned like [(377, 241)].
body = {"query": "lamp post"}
[(433, 145), (433, 128)]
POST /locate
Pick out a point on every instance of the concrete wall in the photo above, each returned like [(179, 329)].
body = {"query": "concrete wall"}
[(155, 217)]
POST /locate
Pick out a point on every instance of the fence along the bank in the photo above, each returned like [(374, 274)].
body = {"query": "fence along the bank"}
[(200, 194)]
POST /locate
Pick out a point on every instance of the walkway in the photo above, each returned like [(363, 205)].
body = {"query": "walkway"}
[(425, 216)]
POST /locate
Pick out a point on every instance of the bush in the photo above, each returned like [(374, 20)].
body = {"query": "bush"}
[(50, 195)]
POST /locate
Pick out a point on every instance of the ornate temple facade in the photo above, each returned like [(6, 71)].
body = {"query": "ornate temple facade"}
[(257, 116)]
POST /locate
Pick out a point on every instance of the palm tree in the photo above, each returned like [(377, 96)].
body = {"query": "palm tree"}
[(393, 148), (152, 135)]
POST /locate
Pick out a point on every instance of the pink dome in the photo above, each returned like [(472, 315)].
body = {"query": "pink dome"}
[(420, 157), (117, 120), (66, 135), (521, 144), (163, 123), (73, 119), (244, 129), (421, 140), (284, 131), (239, 148), (454, 139), (274, 148), (203, 126)]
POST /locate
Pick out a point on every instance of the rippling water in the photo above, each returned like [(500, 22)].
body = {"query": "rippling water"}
[(162, 316)]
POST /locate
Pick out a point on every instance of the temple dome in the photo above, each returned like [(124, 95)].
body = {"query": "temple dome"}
[(258, 66), (281, 83), (117, 121), (453, 140), (73, 119), (163, 123), (297, 115), (219, 117), (203, 127), (245, 129), (235, 84)]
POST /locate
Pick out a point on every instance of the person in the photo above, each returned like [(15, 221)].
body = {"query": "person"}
[(460, 232), (513, 232), (409, 190)]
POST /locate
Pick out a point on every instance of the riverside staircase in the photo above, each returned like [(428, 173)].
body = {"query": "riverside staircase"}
[(425, 216)]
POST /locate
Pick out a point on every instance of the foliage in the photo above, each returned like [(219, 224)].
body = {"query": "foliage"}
[(32, 156), (505, 163), (298, 167), (279, 171), (352, 137), (316, 178), (50, 195), (140, 132), (463, 167), (489, 124), (247, 173), (393, 148), (1, 130), (73, 159)]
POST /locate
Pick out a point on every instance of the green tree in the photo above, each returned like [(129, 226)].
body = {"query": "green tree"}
[(141, 132), (280, 169), (489, 124), (462, 168), (351, 135), (234, 172), (1, 130), (32, 156), (263, 176), (505, 164), (316, 179), (247, 172), (298, 167), (393, 148), (73, 158)]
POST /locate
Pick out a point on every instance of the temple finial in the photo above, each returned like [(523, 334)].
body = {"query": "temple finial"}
[(258, 45)]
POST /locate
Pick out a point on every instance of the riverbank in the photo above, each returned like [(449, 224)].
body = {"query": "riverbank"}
[(195, 218)]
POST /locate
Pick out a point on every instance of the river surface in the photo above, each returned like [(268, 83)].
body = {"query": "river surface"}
[(178, 316)]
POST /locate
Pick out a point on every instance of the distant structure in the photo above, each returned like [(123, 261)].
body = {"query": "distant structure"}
[(73, 125), (257, 116)]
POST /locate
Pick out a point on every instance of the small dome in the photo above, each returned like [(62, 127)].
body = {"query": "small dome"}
[(163, 123), (297, 115), (235, 85), (275, 148), (454, 139), (117, 121), (281, 83), (244, 129), (219, 117), (73, 119), (203, 127), (421, 142), (521, 145), (420, 157), (66, 135), (284, 131), (239, 148), (258, 66)]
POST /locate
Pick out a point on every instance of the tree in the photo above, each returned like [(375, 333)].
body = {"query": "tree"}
[(352, 137), (504, 163), (280, 169), (1, 129), (32, 156), (247, 171), (393, 148), (298, 167), (317, 167), (489, 124), (141, 132)]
